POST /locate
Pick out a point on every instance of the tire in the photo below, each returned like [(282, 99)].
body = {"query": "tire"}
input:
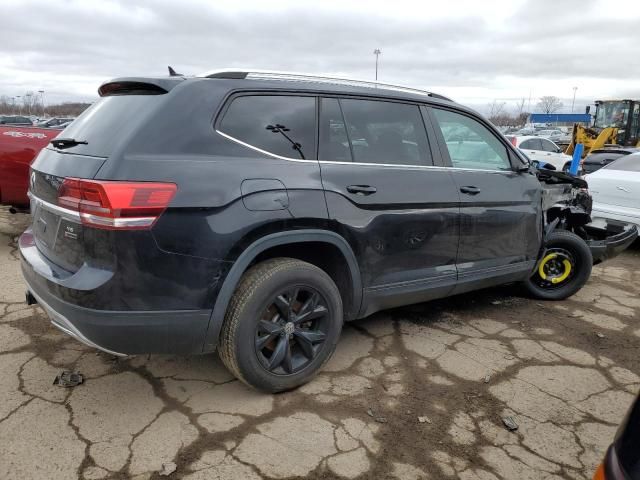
[(262, 322), (561, 281)]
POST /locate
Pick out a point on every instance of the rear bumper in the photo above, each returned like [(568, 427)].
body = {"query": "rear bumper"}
[(611, 239), (114, 331)]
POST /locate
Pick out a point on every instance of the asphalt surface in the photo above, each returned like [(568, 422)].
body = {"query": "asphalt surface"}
[(413, 393)]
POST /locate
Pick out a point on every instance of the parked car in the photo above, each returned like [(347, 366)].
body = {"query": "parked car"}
[(254, 213), (556, 136), (550, 133), (604, 156), (55, 122), (18, 148), (616, 190), (542, 150), (622, 460), (15, 120)]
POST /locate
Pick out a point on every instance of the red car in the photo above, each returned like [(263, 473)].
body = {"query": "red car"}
[(19, 146)]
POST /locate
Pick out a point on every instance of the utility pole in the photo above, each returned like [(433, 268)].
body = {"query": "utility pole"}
[(573, 102), (377, 53), (41, 92)]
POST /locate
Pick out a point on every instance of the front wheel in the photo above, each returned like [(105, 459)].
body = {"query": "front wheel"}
[(564, 268), (282, 324)]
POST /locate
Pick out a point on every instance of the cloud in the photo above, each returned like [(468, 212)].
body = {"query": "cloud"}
[(472, 51)]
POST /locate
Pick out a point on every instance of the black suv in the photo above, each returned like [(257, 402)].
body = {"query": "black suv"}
[(253, 213)]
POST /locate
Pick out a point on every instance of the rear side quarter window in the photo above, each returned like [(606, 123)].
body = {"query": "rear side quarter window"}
[(282, 125)]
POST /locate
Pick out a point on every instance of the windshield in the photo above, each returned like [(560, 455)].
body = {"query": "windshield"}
[(612, 114)]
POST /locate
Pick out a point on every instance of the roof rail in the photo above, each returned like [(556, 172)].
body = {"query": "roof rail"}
[(306, 77)]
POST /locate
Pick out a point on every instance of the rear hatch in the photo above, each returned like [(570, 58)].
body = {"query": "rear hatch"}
[(60, 213)]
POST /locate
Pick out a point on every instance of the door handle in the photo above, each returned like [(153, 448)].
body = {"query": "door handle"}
[(361, 189), (470, 190)]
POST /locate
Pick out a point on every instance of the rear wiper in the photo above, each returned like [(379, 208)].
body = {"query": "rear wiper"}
[(62, 143)]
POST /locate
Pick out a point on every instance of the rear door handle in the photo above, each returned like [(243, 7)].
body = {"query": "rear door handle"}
[(470, 190), (361, 189)]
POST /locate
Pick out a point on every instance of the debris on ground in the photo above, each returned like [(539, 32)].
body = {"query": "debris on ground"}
[(496, 302), (381, 419), (67, 379), (424, 420), (370, 413), (487, 379), (600, 335), (510, 423), (168, 468)]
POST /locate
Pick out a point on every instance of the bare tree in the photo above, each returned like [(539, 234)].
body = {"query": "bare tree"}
[(496, 109), (549, 104), (520, 106)]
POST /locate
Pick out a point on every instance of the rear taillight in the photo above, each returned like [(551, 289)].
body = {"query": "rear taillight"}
[(114, 205), (514, 141)]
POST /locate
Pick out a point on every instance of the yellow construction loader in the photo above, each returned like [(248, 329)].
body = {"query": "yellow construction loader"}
[(616, 122)]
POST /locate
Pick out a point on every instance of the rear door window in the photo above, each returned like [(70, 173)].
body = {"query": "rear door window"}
[(279, 124), (470, 144), (531, 144), (386, 132), (334, 142)]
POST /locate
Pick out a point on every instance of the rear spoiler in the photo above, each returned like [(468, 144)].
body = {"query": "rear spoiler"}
[(138, 86)]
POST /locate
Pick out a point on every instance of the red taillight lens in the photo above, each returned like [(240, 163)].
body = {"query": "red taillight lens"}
[(514, 141), (116, 205)]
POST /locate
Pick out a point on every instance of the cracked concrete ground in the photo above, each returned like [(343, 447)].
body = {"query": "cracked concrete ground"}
[(414, 393)]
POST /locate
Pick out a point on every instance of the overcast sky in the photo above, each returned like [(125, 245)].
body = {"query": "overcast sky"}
[(474, 51)]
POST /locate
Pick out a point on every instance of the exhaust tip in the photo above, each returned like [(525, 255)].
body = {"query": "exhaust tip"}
[(29, 298)]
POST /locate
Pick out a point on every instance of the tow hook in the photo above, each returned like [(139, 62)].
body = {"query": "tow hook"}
[(29, 298)]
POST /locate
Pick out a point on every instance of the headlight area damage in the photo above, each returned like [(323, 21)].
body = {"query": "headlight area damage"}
[(567, 205)]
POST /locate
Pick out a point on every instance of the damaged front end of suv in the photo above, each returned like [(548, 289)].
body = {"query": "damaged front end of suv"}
[(567, 206)]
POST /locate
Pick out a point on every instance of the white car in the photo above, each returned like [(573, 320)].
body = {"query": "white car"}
[(542, 150), (615, 189)]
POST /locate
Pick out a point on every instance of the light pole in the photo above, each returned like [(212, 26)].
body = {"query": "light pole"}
[(377, 53), (19, 106), (573, 102), (41, 92)]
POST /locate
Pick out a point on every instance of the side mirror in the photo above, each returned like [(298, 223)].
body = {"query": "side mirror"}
[(523, 168)]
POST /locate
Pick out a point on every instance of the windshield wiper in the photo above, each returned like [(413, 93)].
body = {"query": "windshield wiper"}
[(278, 128), (62, 143)]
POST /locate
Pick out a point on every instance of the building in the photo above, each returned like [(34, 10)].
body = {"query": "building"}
[(561, 119)]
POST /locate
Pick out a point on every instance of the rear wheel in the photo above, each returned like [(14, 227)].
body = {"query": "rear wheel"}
[(282, 324), (564, 268)]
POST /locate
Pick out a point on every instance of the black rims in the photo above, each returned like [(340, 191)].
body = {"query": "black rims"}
[(282, 324), (292, 330), (556, 269)]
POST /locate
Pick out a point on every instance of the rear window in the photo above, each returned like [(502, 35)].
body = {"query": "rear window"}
[(628, 163), (279, 124), (107, 121)]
